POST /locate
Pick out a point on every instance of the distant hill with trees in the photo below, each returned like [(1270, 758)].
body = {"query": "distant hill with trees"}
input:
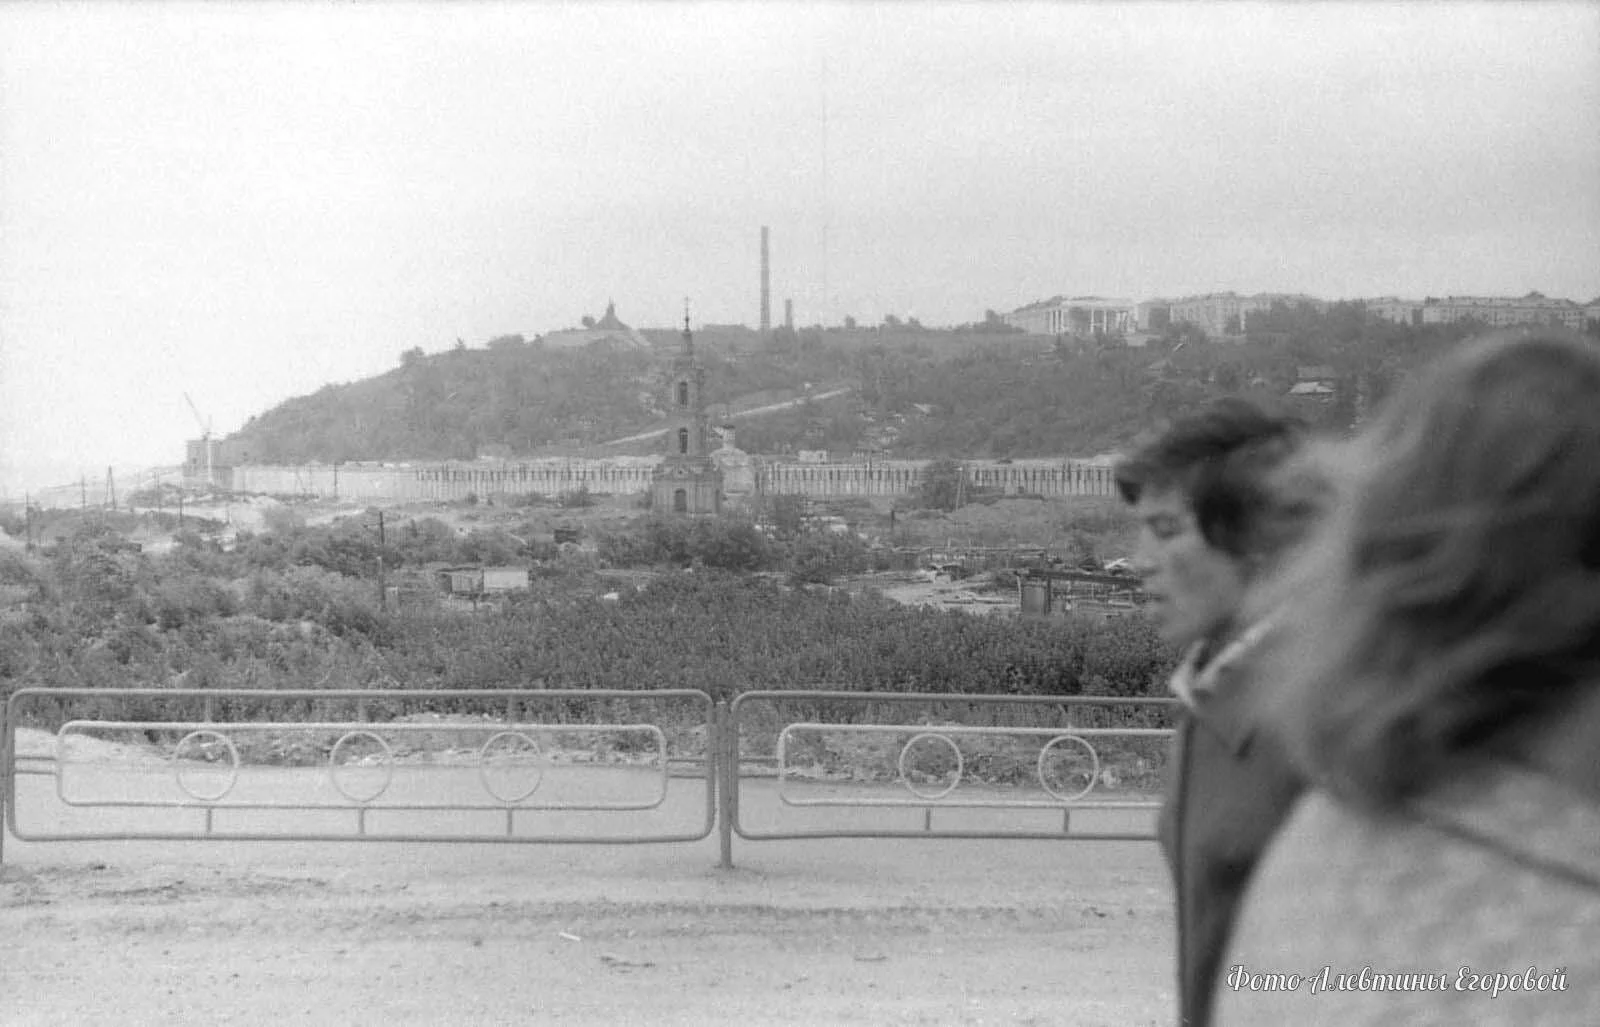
[(513, 396), (978, 391)]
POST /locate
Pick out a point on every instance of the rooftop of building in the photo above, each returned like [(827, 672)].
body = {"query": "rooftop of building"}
[(1079, 301), (1532, 299)]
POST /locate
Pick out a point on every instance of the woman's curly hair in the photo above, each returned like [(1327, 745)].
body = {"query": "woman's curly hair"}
[(1450, 602)]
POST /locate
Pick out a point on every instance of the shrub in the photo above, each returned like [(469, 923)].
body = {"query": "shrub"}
[(578, 499), (282, 521), (818, 557)]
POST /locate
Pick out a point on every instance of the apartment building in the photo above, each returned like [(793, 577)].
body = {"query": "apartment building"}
[(1076, 315), (1401, 312), (1499, 312)]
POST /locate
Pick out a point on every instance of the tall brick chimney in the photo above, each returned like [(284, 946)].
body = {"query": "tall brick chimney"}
[(766, 287)]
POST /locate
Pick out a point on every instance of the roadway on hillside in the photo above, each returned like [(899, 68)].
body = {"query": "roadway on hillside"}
[(769, 408)]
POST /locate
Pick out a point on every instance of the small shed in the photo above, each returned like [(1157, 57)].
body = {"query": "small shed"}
[(475, 580), (460, 580), (505, 579)]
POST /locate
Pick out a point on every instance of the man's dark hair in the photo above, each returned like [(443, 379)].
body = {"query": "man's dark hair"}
[(1220, 459)]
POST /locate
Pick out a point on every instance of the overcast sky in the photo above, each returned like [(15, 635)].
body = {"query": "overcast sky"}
[(245, 201)]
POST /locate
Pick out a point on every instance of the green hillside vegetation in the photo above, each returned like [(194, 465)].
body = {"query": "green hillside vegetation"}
[(512, 393), (914, 393), (1095, 396)]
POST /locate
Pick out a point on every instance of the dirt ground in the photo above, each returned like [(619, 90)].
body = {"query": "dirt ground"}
[(823, 931)]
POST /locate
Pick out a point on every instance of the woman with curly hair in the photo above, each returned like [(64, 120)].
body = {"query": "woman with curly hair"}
[(1440, 689)]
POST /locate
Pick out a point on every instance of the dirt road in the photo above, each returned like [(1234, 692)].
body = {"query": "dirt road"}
[(818, 932)]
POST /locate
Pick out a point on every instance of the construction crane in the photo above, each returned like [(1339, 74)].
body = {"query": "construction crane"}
[(205, 437)]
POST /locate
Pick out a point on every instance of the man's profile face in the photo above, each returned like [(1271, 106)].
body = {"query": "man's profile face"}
[(1195, 589)]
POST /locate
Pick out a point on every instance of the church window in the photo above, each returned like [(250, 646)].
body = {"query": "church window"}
[(683, 394), (683, 440), (680, 501)]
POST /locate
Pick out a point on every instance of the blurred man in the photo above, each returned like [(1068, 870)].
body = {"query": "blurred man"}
[(1210, 520)]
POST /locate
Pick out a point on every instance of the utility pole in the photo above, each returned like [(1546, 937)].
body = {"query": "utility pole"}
[(27, 522), (83, 492), (111, 490), (383, 591)]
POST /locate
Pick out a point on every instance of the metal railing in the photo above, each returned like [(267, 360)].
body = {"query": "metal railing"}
[(214, 772), (524, 766), (1067, 770)]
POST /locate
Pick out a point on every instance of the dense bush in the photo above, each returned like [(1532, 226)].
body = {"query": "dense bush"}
[(352, 547), (818, 557), (725, 543), (86, 615)]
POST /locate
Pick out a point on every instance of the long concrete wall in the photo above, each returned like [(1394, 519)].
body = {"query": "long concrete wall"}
[(453, 481), (901, 477), (447, 481)]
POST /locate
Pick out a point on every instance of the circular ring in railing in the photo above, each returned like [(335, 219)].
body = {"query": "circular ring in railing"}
[(178, 770), (521, 752), (905, 777), (386, 761), (1093, 775)]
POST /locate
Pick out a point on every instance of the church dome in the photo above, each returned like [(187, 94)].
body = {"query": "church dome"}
[(611, 322)]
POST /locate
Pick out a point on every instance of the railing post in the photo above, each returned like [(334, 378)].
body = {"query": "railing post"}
[(5, 775), (724, 754)]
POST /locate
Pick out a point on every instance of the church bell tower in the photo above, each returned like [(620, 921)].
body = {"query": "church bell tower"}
[(688, 481)]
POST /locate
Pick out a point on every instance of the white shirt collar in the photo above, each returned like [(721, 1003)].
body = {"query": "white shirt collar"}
[(1191, 680)]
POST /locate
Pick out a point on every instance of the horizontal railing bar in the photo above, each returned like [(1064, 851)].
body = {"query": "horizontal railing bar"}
[(915, 697), (338, 725), (371, 807), (909, 803), (958, 729), (791, 836), (363, 693), (369, 837)]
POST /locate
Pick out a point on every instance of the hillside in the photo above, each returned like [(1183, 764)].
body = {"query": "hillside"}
[(512, 396), (913, 393)]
